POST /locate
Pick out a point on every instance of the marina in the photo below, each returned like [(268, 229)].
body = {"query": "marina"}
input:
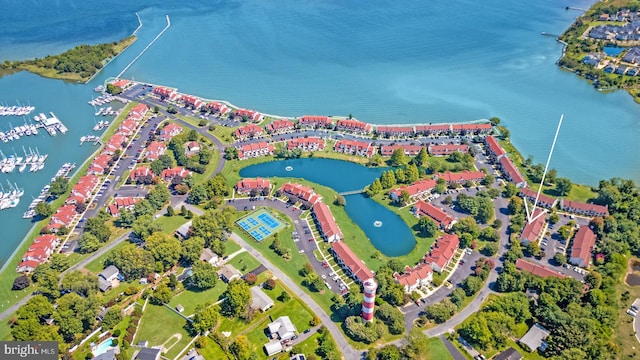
[(90, 138), (10, 199), (16, 110), (32, 160), (102, 99), (44, 193), (100, 125)]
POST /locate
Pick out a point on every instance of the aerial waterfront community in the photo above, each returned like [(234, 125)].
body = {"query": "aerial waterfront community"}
[(202, 230)]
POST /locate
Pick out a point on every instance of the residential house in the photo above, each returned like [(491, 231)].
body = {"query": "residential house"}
[(447, 149), (350, 263), (280, 126), (260, 300), (442, 252), (184, 231), (302, 192), (509, 354), (306, 144), (108, 277), (99, 165), (314, 121), (511, 172), (632, 55), (409, 150), (433, 130), (582, 247), (139, 172), (139, 111), (228, 273), (534, 338), (353, 125), (258, 149), (154, 150), (191, 148), (273, 347), (326, 223), (535, 269), (593, 59), (64, 216), (460, 177), (246, 186), (543, 200), (169, 174), (146, 353), (441, 218), (169, 131), (493, 148), (395, 131), (218, 107), (248, 131), (120, 203), (534, 230), (165, 93), (123, 84), (282, 328), (354, 147), (209, 256), (27, 266), (191, 101), (251, 115), (413, 279), (416, 190), (584, 208), (471, 129)]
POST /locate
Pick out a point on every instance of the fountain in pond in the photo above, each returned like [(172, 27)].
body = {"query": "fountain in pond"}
[(377, 223)]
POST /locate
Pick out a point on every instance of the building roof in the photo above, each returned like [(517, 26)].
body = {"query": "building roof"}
[(583, 244), (463, 176), (184, 229), (260, 300), (584, 207), (446, 149), (146, 353), (534, 337), (207, 254), (257, 183), (358, 268), (509, 354), (109, 271), (511, 170), (387, 150), (315, 119), (424, 208), (410, 276), (535, 269), (229, 272), (354, 124), (107, 355), (283, 327), (273, 347), (417, 187), (443, 250), (494, 146), (542, 199), (301, 191), (327, 223), (305, 142), (533, 230)]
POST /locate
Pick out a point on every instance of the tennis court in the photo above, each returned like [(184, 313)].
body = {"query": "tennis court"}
[(260, 224)]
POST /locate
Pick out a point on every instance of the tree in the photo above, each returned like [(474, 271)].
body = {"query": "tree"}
[(113, 89), (198, 195), (441, 311), (594, 279), (158, 196), (43, 210), (563, 186), (240, 347), (88, 243), (510, 190), (111, 318), (401, 176), (165, 249), (374, 188), (485, 210), (358, 330), (192, 248), (422, 157), (205, 318), (144, 226), (495, 121), (405, 197), (162, 294), (476, 331), (490, 249), (237, 298), (392, 317), (132, 261), (457, 296), (471, 285), (80, 283), (559, 259), (488, 180), (59, 186), (340, 201), (98, 227), (270, 284), (230, 153), (417, 346), (515, 206), (427, 227), (307, 269), (21, 282), (412, 173)]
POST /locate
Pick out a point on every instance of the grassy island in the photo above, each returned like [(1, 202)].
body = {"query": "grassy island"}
[(605, 26), (78, 64)]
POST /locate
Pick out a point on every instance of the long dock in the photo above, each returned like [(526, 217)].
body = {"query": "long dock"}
[(146, 48)]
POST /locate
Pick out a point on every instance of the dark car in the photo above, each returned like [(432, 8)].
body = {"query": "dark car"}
[(307, 331)]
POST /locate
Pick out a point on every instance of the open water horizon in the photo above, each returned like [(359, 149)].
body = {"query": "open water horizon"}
[(384, 62)]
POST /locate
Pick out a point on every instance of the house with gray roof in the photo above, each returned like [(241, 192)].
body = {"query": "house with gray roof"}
[(534, 338), (260, 300), (107, 277), (282, 328), (228, 273), (146, 353)]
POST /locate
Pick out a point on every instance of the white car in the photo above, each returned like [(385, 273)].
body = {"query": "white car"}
[(632, 313)]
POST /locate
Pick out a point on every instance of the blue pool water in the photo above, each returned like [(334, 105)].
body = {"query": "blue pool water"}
[(102, 347)]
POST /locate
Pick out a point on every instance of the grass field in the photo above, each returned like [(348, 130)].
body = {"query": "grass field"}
[(438, 350), (624, 333), (190, 298), (158, 325), (171, 223), (244, 262), (98, 263)]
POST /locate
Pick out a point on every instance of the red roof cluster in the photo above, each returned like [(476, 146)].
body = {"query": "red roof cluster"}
[(349, 260), (582, 246), (139, 172), (254, 150), (248, 130), (460, 177), (471, 128), (584, 208), (448, 149), (168, 174), (138, 111), (512, 171), (417, 188), (82, 190), (533, 230), (99, 164), (280, 125), (543, 200), (443, 251), (433, 129), (250, 114), (315, 120), (122, 202), (306, 144), (165, 92), (328, 227), (246, 185), (420, 274), (217, 107), (169, 131), (191, 100), (39, 251), (353, 125), (354, 147), (412, 150), (494, 147), (154, 150), (535, 269), (395, 130), (302, 192), (422, 208)]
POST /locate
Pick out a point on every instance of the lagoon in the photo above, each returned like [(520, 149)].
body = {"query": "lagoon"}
[(392, 238)]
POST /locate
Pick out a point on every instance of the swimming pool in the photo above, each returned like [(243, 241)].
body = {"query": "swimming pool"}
[(103, 347)]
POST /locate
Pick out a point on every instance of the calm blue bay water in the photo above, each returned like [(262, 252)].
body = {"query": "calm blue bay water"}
[(382, 61), (393, 238)]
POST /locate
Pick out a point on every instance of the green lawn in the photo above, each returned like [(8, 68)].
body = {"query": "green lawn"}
[(97, 264), (158, 325), (190, 298), (438, 350), (212, 350), (171, 223), (5, 329), (223, 133), (244, 262), (231, 247)]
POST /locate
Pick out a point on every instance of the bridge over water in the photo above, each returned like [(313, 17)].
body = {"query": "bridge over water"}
[(352, 192)]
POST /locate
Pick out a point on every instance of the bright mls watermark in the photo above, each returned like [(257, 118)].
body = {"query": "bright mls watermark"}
[(31, 350)]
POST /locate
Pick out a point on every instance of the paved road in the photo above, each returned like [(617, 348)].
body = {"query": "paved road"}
[(453, 350)]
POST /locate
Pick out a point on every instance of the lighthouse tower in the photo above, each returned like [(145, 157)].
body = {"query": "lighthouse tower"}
[(370, 287)]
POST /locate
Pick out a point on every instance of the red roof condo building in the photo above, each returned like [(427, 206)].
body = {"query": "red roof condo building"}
[(415, 190), (245, 186), (447, 149), (511, 172), (122, 83), (251, 115), (122, 203), (471, 129), (369, 301), (217, 107), (582, 247), (422, 208), (494, 150), (280, 126), (351, 264), (255, 150), (169, 131), (460, 177), (411, 150), (139, 172), (191, 100), (354, 147), (154, 150), (398, 131), (438, 129), (533, 230), (301, 192), (543, 200), (443, 251), (99, 165), (314, 121), (169, 174), (248, 131), (326, 223), (584, 208), (306, 144), (165, 93), (413, 279), (139, 111), (535, 269), (353, 125)]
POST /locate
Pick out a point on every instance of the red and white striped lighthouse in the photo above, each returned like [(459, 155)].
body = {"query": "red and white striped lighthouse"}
[(370, 287)]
